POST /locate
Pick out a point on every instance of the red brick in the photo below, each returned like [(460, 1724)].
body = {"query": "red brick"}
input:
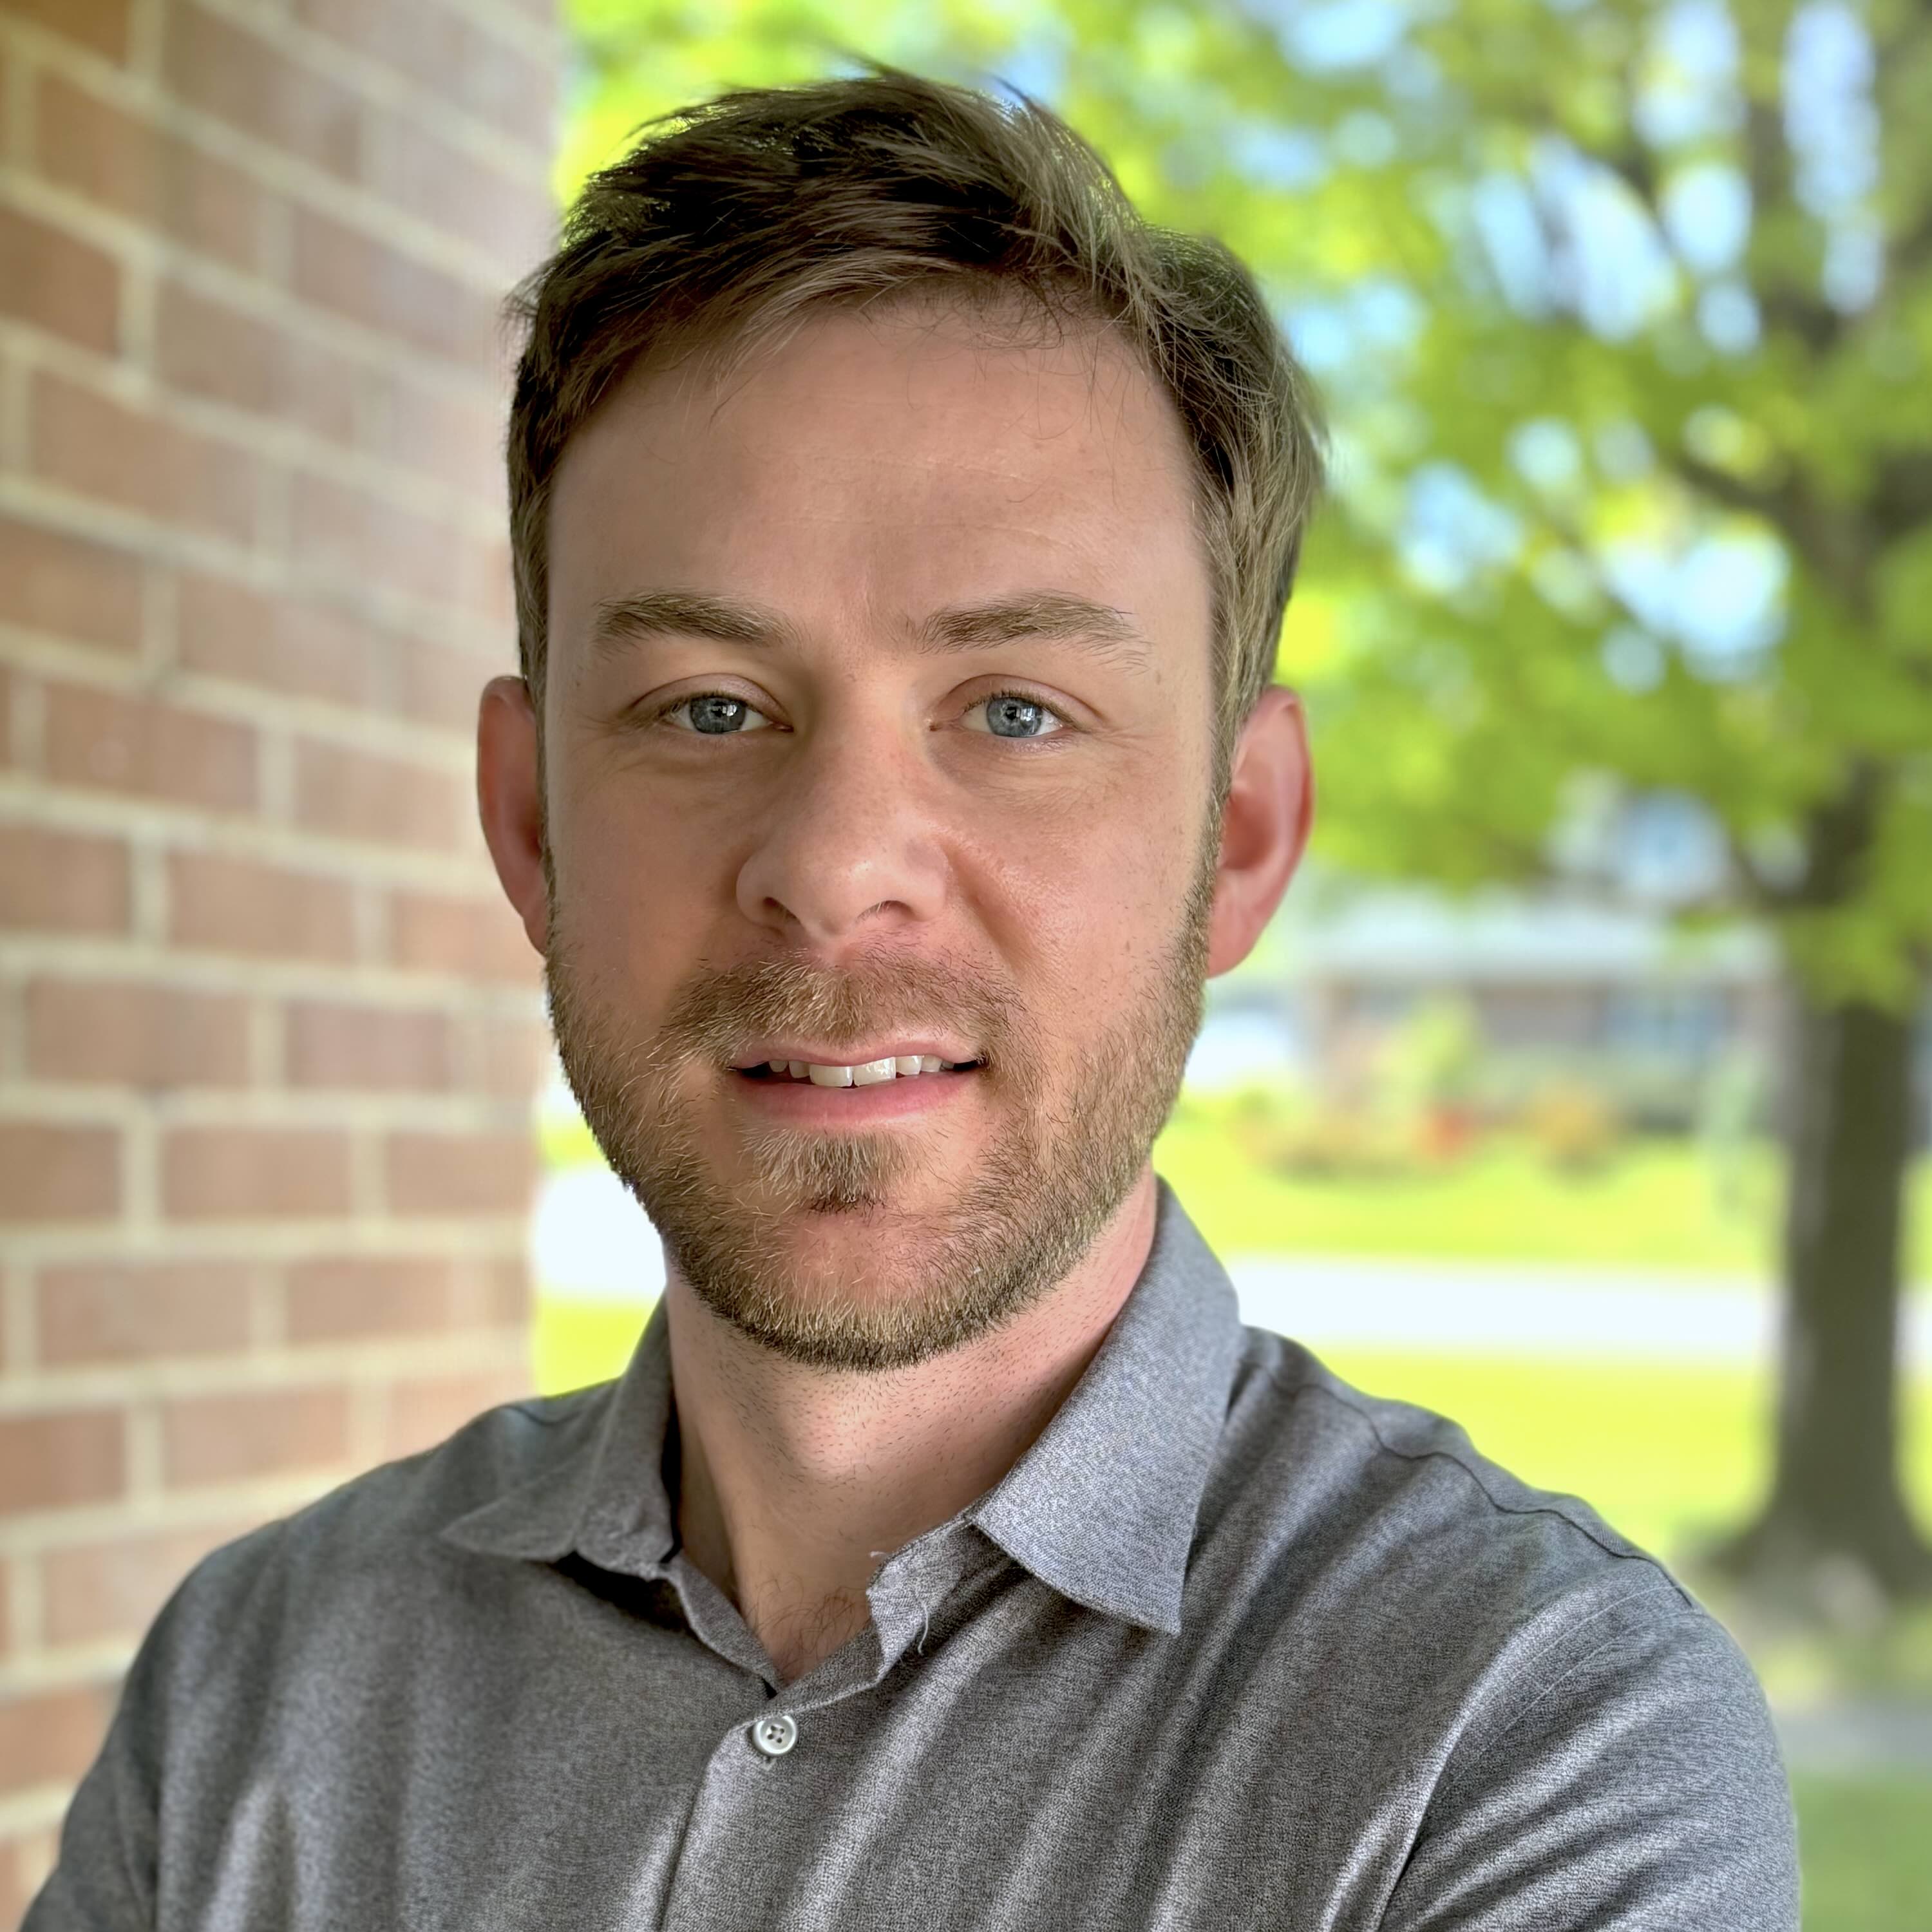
[(55, 1173), (100, 25), (231, 632), (7, 682), (442, 685), (357, 795), (232, 74), (377, 1049), (103, 449), (473, 939), (56, 1460), (413, 170), (341, 533), (424, 1412), (208, 348), (129, 165), (357, 1298), (61, 882), (51, 1736), (455, 438), (244, 1172), (102, 740), (235, 905), (6, 1623), (353, 275), (508, 1287), (461, 1174), (460, 60), (513, 1056), (423, 41), (97, 1590), (505, 88), (57, 283), (78, 590), (24, 1863), (135, 1311), (218, 1438), (321, 390), (136, 1035)]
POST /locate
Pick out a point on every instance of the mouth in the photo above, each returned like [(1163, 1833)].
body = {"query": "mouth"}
[(879, 1071)]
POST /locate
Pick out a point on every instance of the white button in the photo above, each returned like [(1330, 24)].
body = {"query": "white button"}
[(774, 1736)]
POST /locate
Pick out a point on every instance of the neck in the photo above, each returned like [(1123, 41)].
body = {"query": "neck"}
[(796, 1482)]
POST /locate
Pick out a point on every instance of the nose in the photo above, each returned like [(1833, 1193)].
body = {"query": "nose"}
[(847, 849)]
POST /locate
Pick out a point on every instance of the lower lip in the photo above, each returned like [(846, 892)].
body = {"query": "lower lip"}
[(800, 1103)]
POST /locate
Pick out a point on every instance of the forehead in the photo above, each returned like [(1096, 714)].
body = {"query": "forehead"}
[(883, 464)]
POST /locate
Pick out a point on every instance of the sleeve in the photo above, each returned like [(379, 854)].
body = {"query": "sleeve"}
[(103, 1879), (108, 1875), (1636, 1785)]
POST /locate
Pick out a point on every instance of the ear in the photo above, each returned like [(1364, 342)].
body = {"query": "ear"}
[(510, 801), (1264, 828)]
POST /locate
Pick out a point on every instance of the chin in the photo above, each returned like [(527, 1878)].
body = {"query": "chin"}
[(866, 1254), (864, 1288)]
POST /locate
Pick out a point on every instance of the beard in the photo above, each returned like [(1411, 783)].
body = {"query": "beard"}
[(924, 1281)]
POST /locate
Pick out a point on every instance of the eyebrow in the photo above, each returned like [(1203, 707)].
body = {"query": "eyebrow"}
[(1056, 616), (619, 621)]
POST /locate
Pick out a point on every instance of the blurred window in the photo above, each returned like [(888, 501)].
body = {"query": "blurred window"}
[(1672, 1022)]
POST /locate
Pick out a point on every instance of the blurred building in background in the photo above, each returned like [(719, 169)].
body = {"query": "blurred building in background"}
[(267, 1033), (1550, 988)]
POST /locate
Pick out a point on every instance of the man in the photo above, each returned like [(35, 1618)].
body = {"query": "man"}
[(901, 531)]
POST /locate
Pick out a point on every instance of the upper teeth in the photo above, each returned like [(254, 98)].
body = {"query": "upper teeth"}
[(865, 1073)]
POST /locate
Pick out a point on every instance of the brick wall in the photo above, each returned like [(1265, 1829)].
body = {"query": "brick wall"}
[(267, 1033)]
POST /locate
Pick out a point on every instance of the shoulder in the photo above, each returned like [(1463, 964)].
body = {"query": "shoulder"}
[(1304, 1448), (1558, 1704), (1393, 1534), (364, 1536)]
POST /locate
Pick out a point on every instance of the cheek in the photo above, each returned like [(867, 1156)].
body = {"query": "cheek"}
[(1085, 901), (638, 890)]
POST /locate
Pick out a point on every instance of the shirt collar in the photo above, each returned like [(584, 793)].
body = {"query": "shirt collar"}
[(1102, 1507), (602, 1495)]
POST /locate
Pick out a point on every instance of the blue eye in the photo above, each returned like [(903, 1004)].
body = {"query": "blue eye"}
[(1011, 715), (715, 714)]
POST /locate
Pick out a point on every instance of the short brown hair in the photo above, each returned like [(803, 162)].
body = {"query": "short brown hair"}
[(730, 219)]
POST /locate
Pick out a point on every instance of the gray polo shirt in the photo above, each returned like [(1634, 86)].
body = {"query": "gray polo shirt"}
[(1232, 1645)]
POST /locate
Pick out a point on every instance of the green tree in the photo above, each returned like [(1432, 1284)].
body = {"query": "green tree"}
[(1624, 312)]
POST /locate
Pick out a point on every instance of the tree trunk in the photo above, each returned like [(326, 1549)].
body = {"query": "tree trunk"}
[(1835, 1495)]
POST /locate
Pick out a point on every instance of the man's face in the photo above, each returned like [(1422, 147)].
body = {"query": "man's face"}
[(877, 729)]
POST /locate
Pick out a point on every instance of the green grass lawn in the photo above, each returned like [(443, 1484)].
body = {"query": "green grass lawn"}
[(1653, 1204), (1668, 1455), (574, 1343), (1866, 1851)]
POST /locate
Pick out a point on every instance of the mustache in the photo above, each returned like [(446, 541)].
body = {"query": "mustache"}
[(717, 1009)]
